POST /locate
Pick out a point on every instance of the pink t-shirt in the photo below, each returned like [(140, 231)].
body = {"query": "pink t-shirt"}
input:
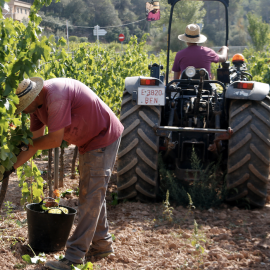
[(153, 16), (196, 56), (89, 123)]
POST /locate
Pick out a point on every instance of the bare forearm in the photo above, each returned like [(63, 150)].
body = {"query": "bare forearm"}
[(51, 140), (23, 157), (176, 75), (40, 143), (223, 54), (45, 142)]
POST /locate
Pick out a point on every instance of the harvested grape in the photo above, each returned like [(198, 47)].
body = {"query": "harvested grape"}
[(55, 211), (58, 210), (65, 210)]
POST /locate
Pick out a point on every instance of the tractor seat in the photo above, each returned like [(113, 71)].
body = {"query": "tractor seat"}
[(197, 76), (188, 83)]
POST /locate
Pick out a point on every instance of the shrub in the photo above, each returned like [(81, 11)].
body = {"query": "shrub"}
[(114, 46), (73, 38), (83, 39), (208, 191)]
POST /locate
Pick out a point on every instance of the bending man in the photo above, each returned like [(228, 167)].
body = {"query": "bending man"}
[(74, 113)]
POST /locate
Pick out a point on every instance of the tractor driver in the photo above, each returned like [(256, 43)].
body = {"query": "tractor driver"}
[(195, 55), (154, 14)]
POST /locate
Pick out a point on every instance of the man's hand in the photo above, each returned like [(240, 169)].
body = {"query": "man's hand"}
[(223, 54), (223, 48), (51, 140)]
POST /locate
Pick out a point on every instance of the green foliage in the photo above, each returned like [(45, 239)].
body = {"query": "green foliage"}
[(196, 240), (41, 258), (73, 38), (87, 266), (68, 191), (115, 198), (258, 64), (104, 71), (258, 31), (208, 191), (83, 39), (167, 211), (32, 191), (19, 266), (24, 53), (20, 51), (34, 260), (8, 207)]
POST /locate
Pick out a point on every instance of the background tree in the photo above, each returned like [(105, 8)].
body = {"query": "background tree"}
[(258, 31), (185, 12), (109, 13)]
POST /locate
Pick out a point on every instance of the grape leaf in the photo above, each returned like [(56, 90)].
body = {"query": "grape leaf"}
[(27, 258)]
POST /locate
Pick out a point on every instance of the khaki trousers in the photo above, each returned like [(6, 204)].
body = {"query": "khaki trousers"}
[(95, 171)]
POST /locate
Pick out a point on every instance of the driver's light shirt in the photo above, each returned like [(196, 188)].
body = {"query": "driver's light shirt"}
[(89, 123), (196, 56)]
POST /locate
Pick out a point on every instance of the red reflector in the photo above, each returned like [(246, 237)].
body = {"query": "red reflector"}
[(143, 82), (248, 86), (147, 82)]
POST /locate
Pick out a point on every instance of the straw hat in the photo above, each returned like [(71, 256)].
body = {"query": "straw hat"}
[(156, 5), (27, 91), (192, 34)]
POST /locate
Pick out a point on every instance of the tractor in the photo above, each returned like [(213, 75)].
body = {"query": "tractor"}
[(174, 118)]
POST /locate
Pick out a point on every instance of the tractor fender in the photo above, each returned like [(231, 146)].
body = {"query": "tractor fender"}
[(133, 83), (259, 91)]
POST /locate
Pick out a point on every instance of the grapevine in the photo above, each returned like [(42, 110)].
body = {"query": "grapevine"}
[(25, 53)]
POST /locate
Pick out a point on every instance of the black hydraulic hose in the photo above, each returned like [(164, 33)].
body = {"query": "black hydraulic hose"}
[(246, 73)]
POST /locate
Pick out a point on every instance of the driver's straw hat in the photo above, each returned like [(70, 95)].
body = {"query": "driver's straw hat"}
[(27, 91), (192, 34), (156, 5)]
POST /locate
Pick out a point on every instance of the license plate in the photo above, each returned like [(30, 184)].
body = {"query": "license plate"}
[(151, 96)]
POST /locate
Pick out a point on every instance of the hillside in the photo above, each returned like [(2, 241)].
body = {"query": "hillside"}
[(116, 16)]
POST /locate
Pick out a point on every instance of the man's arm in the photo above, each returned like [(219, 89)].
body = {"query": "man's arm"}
[(223, 56), (51, 140), (176, 75)]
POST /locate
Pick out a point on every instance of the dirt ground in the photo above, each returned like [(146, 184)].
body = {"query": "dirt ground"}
[(145, 238)]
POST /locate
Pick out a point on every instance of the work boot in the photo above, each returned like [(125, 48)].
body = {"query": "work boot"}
[(99, 253), (63, 264)]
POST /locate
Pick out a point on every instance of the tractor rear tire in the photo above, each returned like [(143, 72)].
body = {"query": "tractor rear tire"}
[(137, 165), (249, 151)]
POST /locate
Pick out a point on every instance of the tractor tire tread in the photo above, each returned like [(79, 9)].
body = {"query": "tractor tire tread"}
[(147, 140), (249, 151), (133, 144), (137, 163)]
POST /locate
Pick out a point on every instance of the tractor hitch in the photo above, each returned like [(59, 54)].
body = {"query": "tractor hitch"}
[(163, 131), (221, 137)]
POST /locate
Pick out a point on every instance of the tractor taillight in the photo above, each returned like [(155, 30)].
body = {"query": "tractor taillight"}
[(148, 82), (245, 85)]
